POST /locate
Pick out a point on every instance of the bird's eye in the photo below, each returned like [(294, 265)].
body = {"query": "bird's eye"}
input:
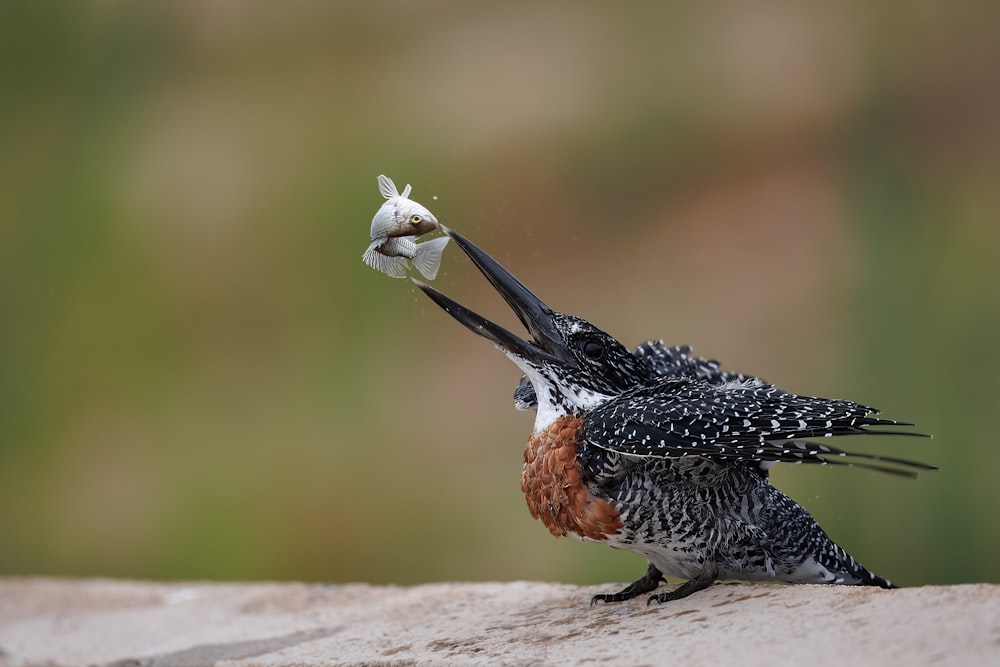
[(592, 349), (416, 219)]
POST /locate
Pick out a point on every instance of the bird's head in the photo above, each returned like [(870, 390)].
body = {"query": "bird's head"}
[(572, 365)]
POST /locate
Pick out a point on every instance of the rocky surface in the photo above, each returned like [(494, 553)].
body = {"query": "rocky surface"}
[(63, 622)]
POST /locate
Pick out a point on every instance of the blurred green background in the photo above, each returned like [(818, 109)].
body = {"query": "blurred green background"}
[(200, 379)]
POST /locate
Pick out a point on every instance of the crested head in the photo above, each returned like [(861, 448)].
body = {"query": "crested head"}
[(400, 215)]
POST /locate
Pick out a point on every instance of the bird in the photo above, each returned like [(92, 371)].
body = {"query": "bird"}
[(663, 454)]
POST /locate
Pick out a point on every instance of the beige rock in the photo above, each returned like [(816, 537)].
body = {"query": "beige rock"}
[(58, 623)]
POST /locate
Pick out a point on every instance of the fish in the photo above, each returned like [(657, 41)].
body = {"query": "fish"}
[(399, 218)]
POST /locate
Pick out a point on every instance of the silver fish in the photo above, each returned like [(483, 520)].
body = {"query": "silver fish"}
[(399, 218)]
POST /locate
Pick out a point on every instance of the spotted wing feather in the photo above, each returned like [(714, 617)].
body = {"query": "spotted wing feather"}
[(746, 421), (679, 360)]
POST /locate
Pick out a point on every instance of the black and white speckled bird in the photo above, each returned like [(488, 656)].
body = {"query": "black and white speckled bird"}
[(664, 454)]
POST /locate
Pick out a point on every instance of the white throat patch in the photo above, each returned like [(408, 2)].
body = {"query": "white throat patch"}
[(557, 401)]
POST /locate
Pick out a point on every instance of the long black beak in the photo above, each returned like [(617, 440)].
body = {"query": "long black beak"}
[(537, 318)]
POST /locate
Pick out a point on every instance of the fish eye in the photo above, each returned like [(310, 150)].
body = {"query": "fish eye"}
[(416, 219), (592, 349)]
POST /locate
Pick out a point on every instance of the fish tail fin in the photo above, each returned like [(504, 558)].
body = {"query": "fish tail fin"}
[(428, 257), (394, 267)]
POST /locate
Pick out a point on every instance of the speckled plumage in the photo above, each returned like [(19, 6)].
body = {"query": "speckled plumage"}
[(691, 514), (669, 453), (660, 361)]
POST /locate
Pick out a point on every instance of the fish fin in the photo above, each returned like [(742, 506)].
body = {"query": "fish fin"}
[(369, 256), (394, 267), (428, 257), (406, 191), (387, 187)]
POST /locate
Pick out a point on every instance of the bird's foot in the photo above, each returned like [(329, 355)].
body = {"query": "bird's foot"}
[(703, 580), (646, 583)]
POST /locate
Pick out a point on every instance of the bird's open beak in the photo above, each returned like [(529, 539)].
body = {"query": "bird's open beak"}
[(545, 343)]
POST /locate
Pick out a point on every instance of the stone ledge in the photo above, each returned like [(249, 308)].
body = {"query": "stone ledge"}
[(63, 622)]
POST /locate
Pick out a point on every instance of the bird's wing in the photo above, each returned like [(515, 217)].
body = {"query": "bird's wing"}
[(679, 360), (738, 421)]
